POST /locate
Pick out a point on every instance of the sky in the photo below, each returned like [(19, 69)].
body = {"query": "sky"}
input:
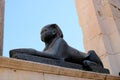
[(25, 18)]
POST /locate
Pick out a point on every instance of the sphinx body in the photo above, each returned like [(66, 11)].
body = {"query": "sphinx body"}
[(57, 48)]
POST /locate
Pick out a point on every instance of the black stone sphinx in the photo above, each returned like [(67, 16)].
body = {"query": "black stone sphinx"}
[(58, 52)]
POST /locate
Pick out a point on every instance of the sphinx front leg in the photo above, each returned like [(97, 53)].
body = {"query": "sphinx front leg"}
[(28, 51), (31, 52)]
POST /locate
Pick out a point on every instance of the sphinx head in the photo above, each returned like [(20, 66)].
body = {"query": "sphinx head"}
[(50, 32)]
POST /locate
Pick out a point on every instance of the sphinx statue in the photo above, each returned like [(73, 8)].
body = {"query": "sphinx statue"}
[(57, 49)]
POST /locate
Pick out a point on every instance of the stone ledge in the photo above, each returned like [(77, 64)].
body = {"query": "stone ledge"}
[(50, 69)]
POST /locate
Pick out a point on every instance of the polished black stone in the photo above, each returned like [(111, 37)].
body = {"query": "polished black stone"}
[(59, 63), (58, 52)]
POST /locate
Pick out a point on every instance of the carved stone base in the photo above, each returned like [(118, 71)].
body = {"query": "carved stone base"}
[(59, 63)]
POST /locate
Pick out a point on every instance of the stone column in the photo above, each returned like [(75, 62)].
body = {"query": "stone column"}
[(100, 22), (1, 25)]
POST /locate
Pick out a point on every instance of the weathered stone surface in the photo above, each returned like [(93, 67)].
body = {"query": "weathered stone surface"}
[(103, 33), (13, 74), (1, 24), (14, 69)]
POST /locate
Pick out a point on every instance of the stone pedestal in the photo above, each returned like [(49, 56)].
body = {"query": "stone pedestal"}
[(1, 24), (100, 22), (14, 69)]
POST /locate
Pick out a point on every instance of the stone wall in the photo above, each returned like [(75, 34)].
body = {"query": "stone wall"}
[(1, 24), (14, 69), (100, 22)]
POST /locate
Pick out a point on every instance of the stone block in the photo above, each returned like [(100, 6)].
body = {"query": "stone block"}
[(14, 69), (100, 44), (105, 17), (105, 36), (81, 3), (115, 2), (118, 23), (105, 60), (115, 8), (85, 13), (90, 31), (57, 77), (111, 62), (13, 74), (115, 41)]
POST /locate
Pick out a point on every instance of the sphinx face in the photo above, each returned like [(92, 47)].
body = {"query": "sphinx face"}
[(46, 34)]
